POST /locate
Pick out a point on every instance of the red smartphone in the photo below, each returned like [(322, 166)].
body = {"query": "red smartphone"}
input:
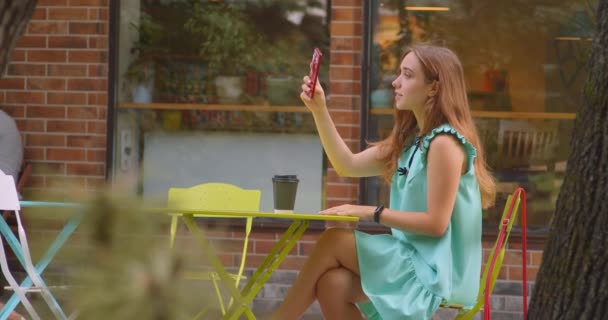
[(315, 64)]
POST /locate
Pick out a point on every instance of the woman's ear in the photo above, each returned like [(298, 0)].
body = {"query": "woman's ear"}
[(434, 88)]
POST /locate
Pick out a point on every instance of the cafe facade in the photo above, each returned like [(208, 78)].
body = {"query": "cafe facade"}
[(155, 94)]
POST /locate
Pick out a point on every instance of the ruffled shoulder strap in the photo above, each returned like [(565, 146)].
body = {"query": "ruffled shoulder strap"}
[(447, 129)]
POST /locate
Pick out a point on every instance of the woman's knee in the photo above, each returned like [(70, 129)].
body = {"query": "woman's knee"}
[(335, 283), (335, 236)]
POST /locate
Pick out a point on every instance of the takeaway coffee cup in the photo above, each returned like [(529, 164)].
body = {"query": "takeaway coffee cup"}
[(284, 189)]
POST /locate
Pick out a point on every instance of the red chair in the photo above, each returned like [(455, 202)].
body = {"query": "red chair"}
[(494, 262)]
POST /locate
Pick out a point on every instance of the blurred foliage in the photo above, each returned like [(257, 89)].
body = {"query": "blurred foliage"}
[(128, 271)]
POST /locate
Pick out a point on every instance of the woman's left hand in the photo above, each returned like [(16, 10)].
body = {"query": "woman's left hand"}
[(362, 212)]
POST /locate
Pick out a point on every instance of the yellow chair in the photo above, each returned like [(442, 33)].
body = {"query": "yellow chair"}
[(492, 267), (214, 196)]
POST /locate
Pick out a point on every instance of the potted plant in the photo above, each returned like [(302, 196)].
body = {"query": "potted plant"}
[(139, 77), (228, 45)]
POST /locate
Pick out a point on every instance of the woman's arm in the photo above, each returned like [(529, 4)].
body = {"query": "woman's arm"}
[(363, 164), (446, 162)]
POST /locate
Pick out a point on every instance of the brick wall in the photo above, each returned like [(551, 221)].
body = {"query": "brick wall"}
[(345, 90), (56, 89)]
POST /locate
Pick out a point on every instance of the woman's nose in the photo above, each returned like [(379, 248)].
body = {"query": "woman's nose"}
[(395, 83)]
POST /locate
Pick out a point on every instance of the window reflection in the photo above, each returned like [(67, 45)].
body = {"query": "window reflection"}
[(196, 77), (524, 64)]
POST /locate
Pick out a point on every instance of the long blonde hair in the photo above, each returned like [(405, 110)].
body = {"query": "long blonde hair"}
[(449, 105)]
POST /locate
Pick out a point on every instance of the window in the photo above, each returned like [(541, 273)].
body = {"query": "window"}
[(208, 91), (524, 64)]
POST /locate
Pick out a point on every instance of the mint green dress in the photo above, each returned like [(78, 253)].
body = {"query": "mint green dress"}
[(408, 275)]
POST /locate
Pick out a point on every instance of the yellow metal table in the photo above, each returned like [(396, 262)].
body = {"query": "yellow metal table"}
[(272, 261)]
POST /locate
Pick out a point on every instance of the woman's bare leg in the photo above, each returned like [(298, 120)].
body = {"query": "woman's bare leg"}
[(335, 248), (337, 291)]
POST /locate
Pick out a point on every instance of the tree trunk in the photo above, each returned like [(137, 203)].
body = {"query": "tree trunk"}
[(14, 16), (572, 282)]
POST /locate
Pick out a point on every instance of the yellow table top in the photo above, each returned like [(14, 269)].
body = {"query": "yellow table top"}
[(254, 214)]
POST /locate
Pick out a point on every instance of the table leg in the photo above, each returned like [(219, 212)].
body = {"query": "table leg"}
[(48, 256), (267, 267), (209, 251)]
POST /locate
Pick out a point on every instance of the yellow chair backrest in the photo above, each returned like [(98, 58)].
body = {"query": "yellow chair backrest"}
[(497, 254), (214, 196)]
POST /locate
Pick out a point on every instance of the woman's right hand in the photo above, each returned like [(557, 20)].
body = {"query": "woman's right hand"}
[(318, 101)]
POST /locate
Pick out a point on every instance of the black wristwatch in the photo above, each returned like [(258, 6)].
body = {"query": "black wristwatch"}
[(377, 213)]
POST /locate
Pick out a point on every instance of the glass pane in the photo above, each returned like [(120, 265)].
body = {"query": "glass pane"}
[(208, 91), (524, 63)]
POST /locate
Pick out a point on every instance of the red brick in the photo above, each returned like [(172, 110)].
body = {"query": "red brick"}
[(256, 235), (33, 153), (12, 83), (98, 99), (67, 14), (347, 44), (350, 73), (263, 247), (341, 191), (230, 245), (345, 103), (104, 14), (87, 141), (345, 117), (96, 127), (68, 42), (45, 84), (50, 3), (87, 56), (89, 3), (29, 125), (345, 87), (87, 84), (18, 55), (66, 98), (347, 14), (537, 257), (512, 257), (89, 28), (66, 126), (46, 27), (515, 273), (21, 69), (98, 70), (39, 14), (345, 29), (102, 112), (47, 56), (46, 112), (344, 58), (45, 140), (32, 42), (85, 169), (96, 156), (305, 248), (13, 111), (98, 42), (82, 113), (63, 154), (68, 70), (93, 14), (25, 97), (349, 3)]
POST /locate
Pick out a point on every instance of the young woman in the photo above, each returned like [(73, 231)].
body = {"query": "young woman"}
[(439, 184)]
